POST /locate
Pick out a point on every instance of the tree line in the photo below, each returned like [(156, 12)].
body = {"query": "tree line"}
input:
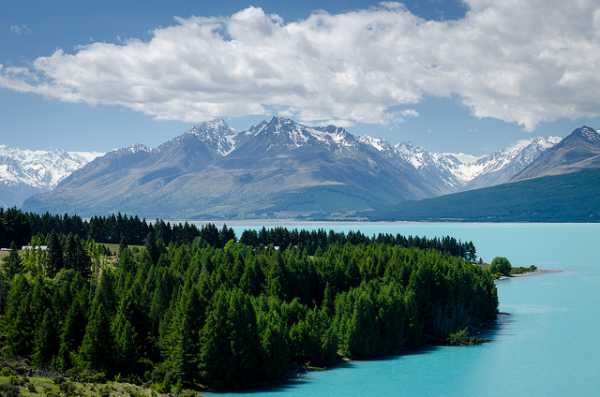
[(232, 315), (313, 240), (20, 227)]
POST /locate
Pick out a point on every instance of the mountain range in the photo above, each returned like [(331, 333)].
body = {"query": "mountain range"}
[(278, 168), (24, 173)]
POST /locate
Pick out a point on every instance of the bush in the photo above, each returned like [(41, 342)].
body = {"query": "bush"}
[(9, 390), (501, 265), (68, 388), (462, 337), (17, 381)]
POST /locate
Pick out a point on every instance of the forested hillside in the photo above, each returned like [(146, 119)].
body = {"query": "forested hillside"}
[(228, 314), (571, 197)]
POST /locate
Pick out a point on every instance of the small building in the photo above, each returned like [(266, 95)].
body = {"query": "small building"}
[(34, 247)]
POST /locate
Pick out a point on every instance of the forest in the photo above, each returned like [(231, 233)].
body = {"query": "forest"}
[(19, 227), (228, 313)]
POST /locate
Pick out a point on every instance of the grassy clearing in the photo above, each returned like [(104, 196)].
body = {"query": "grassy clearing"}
[(41, 386), (114, 248)]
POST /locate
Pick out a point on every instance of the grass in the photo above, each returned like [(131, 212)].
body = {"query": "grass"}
[(114, 248), (522, 270), (41, 386)]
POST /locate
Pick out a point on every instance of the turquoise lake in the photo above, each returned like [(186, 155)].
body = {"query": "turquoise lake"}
[(547, 345)]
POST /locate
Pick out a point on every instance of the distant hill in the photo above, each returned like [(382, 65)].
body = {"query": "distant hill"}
[(573, 197), (578, 151)]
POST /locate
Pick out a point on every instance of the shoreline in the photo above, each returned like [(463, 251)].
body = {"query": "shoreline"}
[(537, 272)]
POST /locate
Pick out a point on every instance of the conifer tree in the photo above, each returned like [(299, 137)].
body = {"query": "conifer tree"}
[(46, 342), (96, 350), (71, 334), (55, 255), (152, 247), (13, 264), (17, 318)]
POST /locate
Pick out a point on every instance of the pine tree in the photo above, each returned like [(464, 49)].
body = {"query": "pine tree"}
[(151, 247), (70, 254), (46, 342), (230, 352), (55, 255), (125, 343), (72, 334), (17, 318), (184, 335), (96, 350), (12, 263)]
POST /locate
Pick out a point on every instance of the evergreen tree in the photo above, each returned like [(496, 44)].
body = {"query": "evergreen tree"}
[(184, 336), (152, 247), (46, 341), (12, 263), (18, 321), (97, 348), (230, 346), (55, 254), (72, 334)]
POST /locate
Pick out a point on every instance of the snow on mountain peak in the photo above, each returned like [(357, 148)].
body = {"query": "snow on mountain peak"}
[(40, 168), (216, 133), (588, 133), (377, 143), (519, 155), (462, 167), (295, 135)]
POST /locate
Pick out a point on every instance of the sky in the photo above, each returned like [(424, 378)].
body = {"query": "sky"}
[(452, 76)]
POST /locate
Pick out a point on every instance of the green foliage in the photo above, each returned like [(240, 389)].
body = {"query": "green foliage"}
[(229, 315), (55, 255), (12, 263), (501, 265), (562, 198), (462, 337)]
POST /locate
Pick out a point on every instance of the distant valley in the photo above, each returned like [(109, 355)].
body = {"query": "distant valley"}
[(278, 168)]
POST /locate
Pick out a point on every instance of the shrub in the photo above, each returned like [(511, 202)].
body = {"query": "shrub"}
[(501, 265), (9, 390)]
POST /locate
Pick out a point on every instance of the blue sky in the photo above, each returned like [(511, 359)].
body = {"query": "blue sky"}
[(32, 29)]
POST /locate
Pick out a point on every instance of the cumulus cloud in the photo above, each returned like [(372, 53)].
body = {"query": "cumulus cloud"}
[(518, 61), (20, 30)]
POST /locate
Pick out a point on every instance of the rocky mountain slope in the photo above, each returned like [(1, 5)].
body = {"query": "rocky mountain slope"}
[(578, 151), (278, 168), (26, 172)]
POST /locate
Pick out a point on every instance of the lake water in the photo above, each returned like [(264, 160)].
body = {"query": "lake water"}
[(548, 345)]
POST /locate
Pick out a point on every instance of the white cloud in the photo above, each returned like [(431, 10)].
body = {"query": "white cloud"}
[(20, 30), (518, 61)]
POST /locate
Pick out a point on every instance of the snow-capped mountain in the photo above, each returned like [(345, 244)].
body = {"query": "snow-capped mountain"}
[(578, 151), (451, 172), (216, 134), (23, 172), (277, 168)]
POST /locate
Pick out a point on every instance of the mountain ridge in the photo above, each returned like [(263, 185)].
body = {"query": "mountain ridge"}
[(579, 150), (277, 168), (24, 172)]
